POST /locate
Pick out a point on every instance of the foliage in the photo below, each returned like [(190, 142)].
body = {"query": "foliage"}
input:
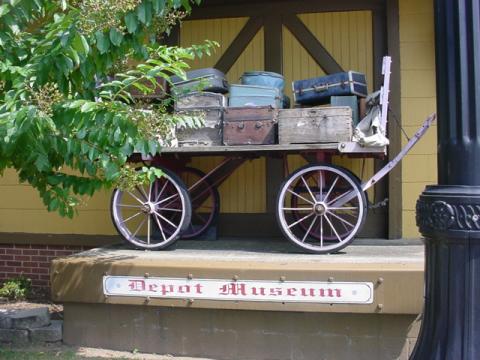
[(16, 289), (68, 122)]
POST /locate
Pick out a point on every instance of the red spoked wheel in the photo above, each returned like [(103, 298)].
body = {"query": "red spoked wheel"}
[(321, 208), (205, 202), (153, 215)]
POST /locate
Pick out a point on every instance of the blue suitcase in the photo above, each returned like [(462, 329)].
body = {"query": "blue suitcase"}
[(249, 95), (263, 78), (317, 91)]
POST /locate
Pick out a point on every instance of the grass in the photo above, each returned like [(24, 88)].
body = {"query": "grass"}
[(31, 354)]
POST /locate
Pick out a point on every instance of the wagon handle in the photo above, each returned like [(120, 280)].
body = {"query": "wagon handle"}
[(391, 164)]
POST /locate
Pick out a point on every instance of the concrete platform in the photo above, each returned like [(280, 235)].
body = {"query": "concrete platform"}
[(395, 267), (235, 330)]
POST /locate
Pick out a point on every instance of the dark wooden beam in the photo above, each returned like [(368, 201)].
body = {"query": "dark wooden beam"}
[(213, 10), (239, 44), (173, 39), (316, 50), (395, 218)]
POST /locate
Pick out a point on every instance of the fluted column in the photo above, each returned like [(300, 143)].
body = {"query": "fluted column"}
[(448, 214)]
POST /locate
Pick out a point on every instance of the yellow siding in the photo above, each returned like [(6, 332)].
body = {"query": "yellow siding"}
[(244, 191), (347, 36), (22, 210), (417, 51)]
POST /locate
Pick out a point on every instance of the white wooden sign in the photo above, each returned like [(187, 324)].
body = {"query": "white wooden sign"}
[(241, 290)]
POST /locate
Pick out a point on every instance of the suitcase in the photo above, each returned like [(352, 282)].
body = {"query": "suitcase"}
[(212, 105), (315, 125), (351, 101), (200, 99), (318, 91), (250, 95), (208, 79), (263, 78), (249, 126)]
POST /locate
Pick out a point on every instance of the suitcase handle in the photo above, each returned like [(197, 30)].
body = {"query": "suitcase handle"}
[(320, 88), (241, 126)]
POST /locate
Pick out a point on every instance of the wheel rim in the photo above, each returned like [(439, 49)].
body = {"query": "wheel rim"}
[(205, 202), (321, 208), (152, 215)]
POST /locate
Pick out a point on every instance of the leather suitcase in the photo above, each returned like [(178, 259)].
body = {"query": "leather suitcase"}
[(208, 79), (249, 126), (212, 105), (317, 91), (251, 95)]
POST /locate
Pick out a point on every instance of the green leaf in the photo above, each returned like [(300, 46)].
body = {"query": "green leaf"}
[(80, 44), (103, 44), (131, 22), (116, 37), (111, 171), (4, 9), (53, 205), (144, 12)]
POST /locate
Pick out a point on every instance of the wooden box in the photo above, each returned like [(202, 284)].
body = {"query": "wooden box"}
[(315, 125), (249, 126), (210, 105)]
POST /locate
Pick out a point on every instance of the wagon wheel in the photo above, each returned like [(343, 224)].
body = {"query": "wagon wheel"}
[(154, 215), (329, 201), (315, 231), (205, 202)]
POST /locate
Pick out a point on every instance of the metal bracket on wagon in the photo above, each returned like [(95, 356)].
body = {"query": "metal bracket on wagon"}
[(351, 147)]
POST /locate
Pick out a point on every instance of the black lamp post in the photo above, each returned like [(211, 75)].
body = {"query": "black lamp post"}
[(448, 214)]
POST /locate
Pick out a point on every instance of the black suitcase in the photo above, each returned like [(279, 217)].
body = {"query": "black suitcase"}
[(317, 91), (208, 79)]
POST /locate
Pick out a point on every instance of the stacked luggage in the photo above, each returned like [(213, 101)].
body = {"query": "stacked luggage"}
[(256, 110)]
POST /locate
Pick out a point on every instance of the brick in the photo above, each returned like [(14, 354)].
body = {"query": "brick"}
[(30, 252), (50, 333), (24, 270), (41, 271), (7, 257), (15, 251), (14, 263), (31, 264), (44, 264), (22, 257), (2, 251), (17, 337), (25, 318), (39, 258), (43, 277), (45, 252), (63, 252)]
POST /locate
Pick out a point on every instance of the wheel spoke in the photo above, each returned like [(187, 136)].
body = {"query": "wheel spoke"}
[(309, 229), (150, 189), (321, 231), (131, 217), (169, 209), (308, 188), (168, 198), (138, 228), (320, 184), (297, 209), (301, 197), (142, 192), (343, 208), (161, 191), (136, 198), (129, 206), (333, 228), (331, 188), (166, 220), (343, 220), (148, 229), (299, 221), (159, 226)]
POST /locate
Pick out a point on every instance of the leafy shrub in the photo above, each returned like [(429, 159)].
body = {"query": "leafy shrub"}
[(16, 289)]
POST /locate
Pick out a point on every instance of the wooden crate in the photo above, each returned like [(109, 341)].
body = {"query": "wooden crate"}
[(315, 125)]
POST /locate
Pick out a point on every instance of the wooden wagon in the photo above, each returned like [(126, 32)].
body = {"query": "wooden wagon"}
[(320, 207)]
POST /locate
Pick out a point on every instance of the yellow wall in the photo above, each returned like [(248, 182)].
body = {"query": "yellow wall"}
[(418, 101)]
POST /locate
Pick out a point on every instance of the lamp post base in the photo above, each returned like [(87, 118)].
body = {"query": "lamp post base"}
[(449, 218)]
